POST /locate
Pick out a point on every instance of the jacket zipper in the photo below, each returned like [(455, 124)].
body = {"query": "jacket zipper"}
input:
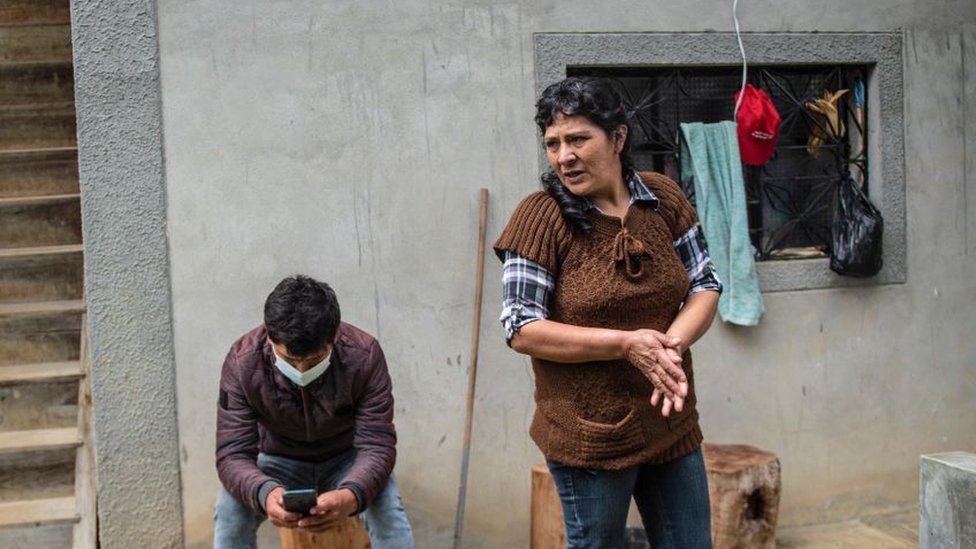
[(305, 413)]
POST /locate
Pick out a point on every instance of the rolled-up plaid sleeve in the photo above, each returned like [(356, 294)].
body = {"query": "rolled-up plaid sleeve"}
[(526, 290), (693, 251)]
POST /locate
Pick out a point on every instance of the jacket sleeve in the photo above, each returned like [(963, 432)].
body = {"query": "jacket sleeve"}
[(374, 436), (237, 441)]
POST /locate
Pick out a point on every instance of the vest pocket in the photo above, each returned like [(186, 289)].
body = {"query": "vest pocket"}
[(611, 440)]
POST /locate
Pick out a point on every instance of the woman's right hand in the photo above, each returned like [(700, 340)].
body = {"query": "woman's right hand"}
[(658, 357)]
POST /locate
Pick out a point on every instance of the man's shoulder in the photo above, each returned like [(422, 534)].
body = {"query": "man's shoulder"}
[(357, 348), (249, 347), (353, 338)]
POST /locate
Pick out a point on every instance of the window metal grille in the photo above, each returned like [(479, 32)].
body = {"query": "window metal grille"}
[(790, 199)]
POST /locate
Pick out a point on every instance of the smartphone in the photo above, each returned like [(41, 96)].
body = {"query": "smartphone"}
[(300, 501)]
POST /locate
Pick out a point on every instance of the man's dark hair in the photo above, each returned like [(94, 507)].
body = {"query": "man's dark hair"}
[(302, 314), (595, 99)]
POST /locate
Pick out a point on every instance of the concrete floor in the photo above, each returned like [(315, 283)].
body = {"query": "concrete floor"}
[(891, 530), (895, 530)]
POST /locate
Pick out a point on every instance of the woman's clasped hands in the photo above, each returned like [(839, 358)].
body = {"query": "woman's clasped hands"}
[(658, 357)]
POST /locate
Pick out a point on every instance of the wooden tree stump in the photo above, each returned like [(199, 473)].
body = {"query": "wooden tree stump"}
[(348, 534), (547, 530), (744, 488)]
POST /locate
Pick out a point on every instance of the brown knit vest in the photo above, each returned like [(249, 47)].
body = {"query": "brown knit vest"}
[(623, 275)]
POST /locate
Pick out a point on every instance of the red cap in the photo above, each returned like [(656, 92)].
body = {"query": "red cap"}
[(757, 124)]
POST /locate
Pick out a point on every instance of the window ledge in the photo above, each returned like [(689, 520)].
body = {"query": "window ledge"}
[(814, 274)]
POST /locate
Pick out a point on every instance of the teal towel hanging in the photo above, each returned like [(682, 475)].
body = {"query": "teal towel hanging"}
[(710, 158)]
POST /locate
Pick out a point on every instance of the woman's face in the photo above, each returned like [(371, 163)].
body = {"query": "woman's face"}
[(584, 157)]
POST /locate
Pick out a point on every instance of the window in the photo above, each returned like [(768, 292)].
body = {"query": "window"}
[(790, 199), (667, 79)]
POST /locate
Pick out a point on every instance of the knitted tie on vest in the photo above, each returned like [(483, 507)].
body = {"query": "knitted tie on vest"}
[(628, 249)]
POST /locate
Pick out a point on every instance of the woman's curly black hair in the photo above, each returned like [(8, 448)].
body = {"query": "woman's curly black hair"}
[(595, 99)]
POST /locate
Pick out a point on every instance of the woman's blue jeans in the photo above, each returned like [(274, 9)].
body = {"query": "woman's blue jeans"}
[(672, 499), (236, 525)]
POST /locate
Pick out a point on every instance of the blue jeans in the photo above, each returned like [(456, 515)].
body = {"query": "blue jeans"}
[(672, 499), (236, 525)]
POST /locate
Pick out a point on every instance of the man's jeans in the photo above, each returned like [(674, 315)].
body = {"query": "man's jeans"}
[(672, 499), (236, 525)]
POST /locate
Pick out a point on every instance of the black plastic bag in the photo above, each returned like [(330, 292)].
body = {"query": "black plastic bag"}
[(856, 232)]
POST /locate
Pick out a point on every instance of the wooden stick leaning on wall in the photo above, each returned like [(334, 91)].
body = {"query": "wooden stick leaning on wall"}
[(473, 370)]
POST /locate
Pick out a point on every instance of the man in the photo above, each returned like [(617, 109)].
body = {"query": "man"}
[(305, 402)]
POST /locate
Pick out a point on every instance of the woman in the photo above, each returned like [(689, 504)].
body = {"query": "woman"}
[(607, 282)]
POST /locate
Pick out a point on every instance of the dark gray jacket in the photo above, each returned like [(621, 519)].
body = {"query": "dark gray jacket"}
[(349, 406)]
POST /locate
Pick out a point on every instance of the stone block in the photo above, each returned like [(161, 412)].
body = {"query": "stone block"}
[(947, 501)]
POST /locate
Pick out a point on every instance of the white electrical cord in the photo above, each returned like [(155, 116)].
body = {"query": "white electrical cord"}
[(742, 51)]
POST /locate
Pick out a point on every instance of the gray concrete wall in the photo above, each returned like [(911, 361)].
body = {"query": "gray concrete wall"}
[(347, 140), (123, 201)]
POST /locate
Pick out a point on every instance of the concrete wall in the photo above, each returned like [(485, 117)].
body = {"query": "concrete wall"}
[(347, 140)]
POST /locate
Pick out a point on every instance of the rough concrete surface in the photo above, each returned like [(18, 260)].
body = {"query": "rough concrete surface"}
[(120, 161)]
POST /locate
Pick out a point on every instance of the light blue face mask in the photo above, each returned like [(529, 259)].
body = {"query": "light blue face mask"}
[(302, 378)]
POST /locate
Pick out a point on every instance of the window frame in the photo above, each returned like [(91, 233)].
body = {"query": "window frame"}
[(882, 52)]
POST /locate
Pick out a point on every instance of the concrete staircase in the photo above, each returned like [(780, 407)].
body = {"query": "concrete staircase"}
[(46, 470)]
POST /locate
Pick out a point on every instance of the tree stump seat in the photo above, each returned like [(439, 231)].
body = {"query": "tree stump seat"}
[(348, 534), (743, 488), (547, 529)]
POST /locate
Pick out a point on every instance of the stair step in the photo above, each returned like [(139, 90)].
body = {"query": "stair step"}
[(37, 199), (32, 44), (40, 536), (41, 277), (40, 338), (39, 439), (42, 308), (39, 171), (35, 108), (38, 511), (34, 12), (35, 251), (45, 371), (36, 83), (36, 153), (38, 126), (40, 224), (33, 476), (49, 405)]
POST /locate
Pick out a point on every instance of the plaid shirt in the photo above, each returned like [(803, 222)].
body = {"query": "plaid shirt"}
[(527, 286)]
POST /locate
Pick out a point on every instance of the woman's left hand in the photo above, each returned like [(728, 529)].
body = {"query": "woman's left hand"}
[(692, 321), (669, 403), (658, 357)]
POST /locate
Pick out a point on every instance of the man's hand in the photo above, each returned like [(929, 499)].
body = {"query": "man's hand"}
[(274, 507), (331, 507), (658, 357)]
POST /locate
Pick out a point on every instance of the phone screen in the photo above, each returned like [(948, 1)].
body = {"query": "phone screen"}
[(300, 501)]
